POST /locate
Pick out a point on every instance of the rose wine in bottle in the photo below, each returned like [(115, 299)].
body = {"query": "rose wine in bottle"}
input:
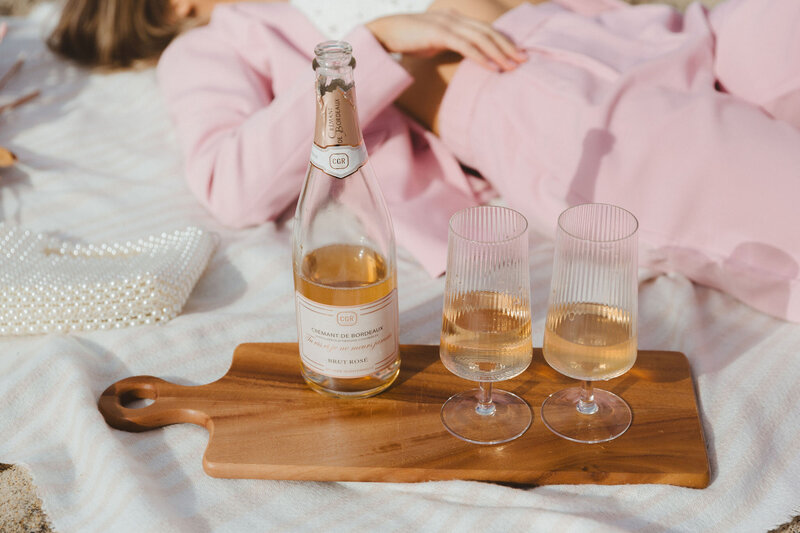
[(344, 251)]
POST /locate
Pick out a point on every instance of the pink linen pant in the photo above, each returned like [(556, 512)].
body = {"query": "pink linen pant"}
[(692, 122)]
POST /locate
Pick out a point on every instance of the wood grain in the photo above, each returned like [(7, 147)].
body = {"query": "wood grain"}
[(264, 422)]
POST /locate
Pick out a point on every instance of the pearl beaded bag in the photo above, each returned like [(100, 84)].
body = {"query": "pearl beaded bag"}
[(47, 285)]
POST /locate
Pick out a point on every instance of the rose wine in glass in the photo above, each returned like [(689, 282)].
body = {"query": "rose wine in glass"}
[(486, 322), (590, 341), (591, 326), (486, 336)]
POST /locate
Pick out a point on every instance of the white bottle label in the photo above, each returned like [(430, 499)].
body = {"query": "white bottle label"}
[(338, 161), (347, 342)]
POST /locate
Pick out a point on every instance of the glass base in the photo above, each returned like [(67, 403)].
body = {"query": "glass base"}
[(510, 418), (611, 419)]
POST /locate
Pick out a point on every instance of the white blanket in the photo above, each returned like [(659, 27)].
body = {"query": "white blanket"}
[(98, 163)]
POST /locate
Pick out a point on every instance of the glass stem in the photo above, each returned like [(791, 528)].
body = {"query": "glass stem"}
[(485, 406), (586, 404)]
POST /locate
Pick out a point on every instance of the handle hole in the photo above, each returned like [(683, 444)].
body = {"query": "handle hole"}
[(137, 398)]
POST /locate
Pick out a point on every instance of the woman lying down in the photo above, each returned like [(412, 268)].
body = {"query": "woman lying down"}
[(690, 121)]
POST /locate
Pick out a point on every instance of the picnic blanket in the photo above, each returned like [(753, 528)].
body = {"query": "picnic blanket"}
[(98, 162)]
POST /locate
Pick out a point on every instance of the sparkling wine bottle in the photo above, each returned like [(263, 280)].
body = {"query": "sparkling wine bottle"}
[(344, 251)]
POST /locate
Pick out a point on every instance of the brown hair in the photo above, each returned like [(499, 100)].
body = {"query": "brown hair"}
[(114, 33)]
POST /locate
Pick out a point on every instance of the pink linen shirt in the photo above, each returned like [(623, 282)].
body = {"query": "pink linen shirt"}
[(240, 91)]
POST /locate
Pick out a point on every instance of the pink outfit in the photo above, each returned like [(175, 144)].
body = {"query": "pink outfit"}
[(241, 94), (615, 104), (619, 105)]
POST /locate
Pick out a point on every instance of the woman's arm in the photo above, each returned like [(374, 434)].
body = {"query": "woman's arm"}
[(246, 149), (241, 97), (433, 74)]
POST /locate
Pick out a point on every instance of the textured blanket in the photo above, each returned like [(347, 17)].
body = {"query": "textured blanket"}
[(98, 163)]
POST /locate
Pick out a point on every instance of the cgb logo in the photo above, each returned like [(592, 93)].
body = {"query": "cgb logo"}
[(347, 318), (339, 160)]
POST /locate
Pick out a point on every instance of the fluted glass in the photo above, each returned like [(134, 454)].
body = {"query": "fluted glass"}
[(486, 323), (591, 326)]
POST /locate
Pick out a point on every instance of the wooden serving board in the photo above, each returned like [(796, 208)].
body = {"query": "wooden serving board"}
[(264, 422)]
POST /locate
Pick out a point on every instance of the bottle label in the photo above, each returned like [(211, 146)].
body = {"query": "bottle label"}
[(348, 342), (338, 161)]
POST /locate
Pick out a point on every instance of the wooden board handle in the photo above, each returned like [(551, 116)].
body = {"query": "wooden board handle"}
[(170, 405)]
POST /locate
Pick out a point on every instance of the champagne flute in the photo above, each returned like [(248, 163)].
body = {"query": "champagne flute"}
[(486, 323), (590, 330)]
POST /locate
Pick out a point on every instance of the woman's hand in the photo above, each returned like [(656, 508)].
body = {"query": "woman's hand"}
[(427, 34)]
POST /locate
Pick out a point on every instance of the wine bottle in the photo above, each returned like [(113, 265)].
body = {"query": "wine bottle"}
[(344, 250)]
